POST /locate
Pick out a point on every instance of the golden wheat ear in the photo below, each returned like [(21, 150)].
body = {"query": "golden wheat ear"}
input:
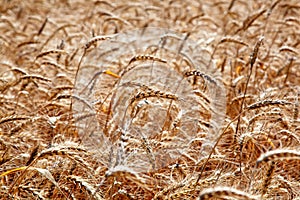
[(279, 154), (268, 178), (225, 192)]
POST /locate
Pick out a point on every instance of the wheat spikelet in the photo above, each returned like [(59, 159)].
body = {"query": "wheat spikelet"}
[(200, 74), (254, 54), (233, 40), (152, 93), (225, 192), (144, 58), (37, 77), (268, 178), (55, 51), (279, 154), (13, 118), (268, 103), (96, 39)]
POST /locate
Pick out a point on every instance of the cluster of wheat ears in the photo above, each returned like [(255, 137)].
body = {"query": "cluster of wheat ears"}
[(149, 99)]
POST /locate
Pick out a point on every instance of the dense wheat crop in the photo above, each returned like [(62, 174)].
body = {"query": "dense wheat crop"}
[(149, 99)]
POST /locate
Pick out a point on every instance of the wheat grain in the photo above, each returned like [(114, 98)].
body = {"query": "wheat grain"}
[(37, 77), (13, 118), (153, 93), (267, 102), (200, 74), (233, 40), (268, 178), (146, 57), (63, 96), (254, 54), (55, 51), (96, 39)]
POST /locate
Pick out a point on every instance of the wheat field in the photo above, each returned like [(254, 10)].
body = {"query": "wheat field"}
[(150, 99)]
